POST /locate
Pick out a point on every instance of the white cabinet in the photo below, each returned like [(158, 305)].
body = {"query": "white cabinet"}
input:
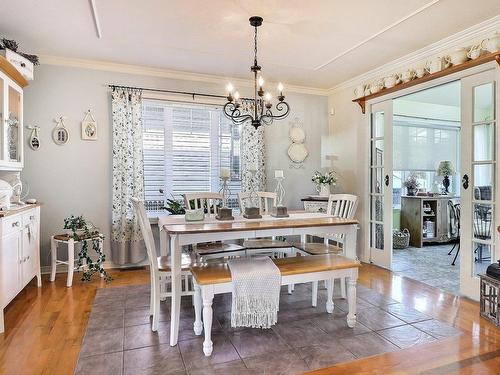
[(11, 117), (19, 254)]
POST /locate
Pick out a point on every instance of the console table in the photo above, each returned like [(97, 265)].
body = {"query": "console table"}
[(316, 204), (413, 216)]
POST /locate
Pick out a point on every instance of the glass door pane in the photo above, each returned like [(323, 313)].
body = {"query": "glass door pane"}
[(380, 186), (13, 126), (3, 117)]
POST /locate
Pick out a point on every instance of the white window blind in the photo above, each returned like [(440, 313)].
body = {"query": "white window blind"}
[(420, 144), (185, 145)]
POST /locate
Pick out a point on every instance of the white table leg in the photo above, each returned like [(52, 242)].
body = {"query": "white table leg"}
[(329, 296), (53, 258), (198, 324), (176, 289), (351, 300), (71, 261), (164, 245), (207, 295), (314, 294), (342, 287), (350, 241)]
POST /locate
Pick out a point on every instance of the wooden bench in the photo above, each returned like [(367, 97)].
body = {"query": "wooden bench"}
[(211, 279)]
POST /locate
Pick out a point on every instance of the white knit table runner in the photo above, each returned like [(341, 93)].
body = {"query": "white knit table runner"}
[(256, 292)]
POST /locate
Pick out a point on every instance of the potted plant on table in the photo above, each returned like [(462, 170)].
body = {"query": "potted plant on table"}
[(411, 184), (323, 182)]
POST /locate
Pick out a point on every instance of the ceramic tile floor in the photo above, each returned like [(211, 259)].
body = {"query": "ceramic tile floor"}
[(119, 339), (432, 265)]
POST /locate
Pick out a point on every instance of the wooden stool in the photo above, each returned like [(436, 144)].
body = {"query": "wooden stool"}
[(70, 242)]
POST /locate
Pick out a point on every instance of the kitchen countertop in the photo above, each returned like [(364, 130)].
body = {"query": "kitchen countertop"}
[(19, 210)]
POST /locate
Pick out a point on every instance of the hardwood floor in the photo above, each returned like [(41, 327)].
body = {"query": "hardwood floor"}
[(45, 327)]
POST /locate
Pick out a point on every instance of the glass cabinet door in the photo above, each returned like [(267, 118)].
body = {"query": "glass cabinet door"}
[(13, 126)]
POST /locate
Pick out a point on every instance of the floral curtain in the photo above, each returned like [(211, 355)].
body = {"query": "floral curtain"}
[(127, 245), (253, 150)]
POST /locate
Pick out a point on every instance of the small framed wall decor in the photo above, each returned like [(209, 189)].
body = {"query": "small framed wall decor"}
[(34, 140), (89, 127), (60, 134)]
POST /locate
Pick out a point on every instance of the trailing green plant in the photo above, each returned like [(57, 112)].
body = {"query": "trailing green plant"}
[(80, 231)]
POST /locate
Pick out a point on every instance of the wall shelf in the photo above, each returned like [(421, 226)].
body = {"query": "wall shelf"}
[(12, 72), (429, 77)]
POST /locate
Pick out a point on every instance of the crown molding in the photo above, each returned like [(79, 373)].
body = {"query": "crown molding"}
[(481, 30), (109, 66)]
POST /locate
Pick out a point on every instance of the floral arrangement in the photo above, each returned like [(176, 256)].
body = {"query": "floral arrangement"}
[(324, 178), (411, 182)]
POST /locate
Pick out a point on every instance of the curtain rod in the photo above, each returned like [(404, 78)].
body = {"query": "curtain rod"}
[(193, 94)]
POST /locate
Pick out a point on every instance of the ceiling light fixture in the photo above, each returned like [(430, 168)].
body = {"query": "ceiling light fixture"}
[(259, 109)]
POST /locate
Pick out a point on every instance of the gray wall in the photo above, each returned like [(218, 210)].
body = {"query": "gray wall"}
[(76, 178)]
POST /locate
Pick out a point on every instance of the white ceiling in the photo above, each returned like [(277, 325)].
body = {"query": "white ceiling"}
[(314, 43)]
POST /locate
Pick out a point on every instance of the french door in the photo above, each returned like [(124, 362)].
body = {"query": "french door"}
[(480, 178), (381, 184)]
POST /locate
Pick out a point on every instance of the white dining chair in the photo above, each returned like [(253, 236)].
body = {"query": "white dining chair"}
[(159, 267), (266, 202), (211, 250), (339, 205)]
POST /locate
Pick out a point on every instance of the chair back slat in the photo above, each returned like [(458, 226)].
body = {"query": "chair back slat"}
[(202, 200), (147, 233), (342, 205), (267, 200)]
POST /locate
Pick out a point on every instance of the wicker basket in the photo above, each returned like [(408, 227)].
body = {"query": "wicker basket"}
[(400, 239)]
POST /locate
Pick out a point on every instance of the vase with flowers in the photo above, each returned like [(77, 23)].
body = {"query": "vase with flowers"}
[(323, 182), (411, 184)]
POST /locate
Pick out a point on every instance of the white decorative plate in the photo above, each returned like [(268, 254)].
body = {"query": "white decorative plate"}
[(297, 152), (297, 135)]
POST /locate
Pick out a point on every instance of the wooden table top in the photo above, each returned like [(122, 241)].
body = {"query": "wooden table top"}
[(294, 221), (218, 273)]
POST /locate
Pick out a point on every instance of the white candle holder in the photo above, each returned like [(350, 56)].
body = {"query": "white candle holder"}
[(224, 212), (280, 210), (252, 212)]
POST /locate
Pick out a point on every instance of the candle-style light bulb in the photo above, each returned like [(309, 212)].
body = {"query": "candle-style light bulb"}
[(261, 83), (267, 98), (236, 95), (229, 88), (281, 97)]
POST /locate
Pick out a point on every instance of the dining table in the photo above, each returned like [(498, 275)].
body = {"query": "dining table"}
[(176, 232)]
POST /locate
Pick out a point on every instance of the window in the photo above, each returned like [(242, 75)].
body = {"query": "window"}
[(185, 145)]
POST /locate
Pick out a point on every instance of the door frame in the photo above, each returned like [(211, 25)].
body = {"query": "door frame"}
[(365, 134)]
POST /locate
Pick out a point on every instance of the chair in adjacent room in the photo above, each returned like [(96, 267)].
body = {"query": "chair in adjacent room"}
[(454, 210)]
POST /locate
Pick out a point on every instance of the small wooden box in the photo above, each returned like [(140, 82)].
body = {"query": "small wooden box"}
[(488, 299)]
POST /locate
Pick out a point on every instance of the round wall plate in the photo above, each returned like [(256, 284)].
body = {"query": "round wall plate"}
[(297, 152), (297, 135)]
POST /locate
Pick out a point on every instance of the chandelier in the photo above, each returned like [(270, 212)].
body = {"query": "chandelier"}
[(259, 109)]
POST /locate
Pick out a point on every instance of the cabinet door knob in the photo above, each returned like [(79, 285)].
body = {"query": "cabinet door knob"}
[(15, 224)]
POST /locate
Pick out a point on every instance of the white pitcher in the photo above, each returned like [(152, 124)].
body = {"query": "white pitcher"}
[(474, 52), (435, 65), (491, 44), (359, 91), (458, 56)]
